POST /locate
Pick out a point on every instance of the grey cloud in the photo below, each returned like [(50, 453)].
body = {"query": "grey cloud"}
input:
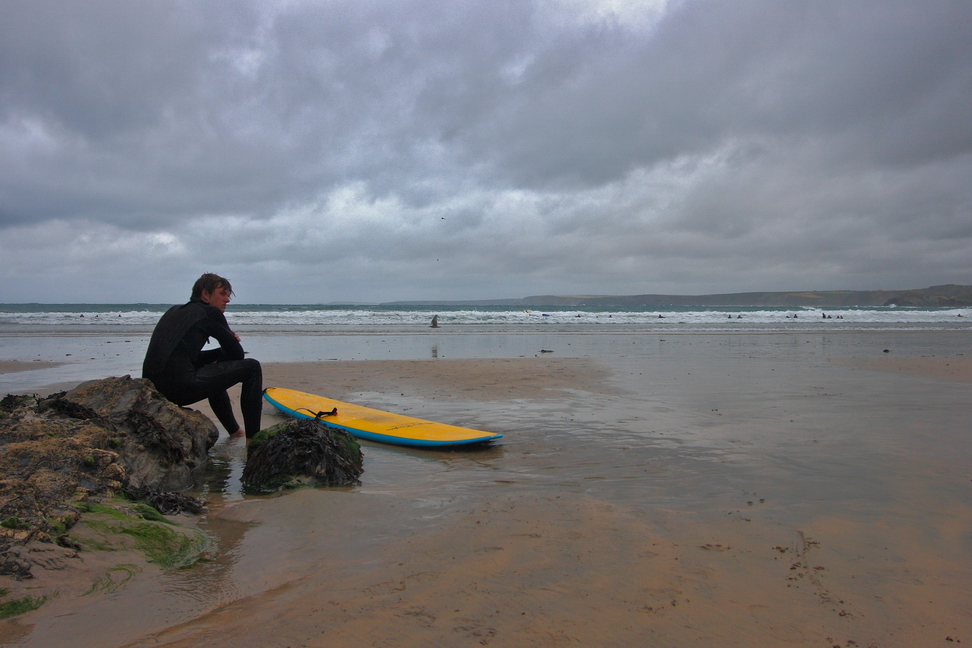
[(741, 141), (885, 78)]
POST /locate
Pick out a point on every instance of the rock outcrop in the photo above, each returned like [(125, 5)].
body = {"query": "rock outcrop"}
[(301, 453), (58, 454), (947, 296), (158, 443)]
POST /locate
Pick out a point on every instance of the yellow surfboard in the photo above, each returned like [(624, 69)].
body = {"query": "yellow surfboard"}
[(372, 424)]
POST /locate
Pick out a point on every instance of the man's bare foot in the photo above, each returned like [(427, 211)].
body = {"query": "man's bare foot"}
[(238, 434)]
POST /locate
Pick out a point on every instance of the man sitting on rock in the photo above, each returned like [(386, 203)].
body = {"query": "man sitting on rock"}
[(185, 374)]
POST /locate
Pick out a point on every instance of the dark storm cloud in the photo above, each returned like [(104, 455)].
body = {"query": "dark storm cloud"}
[(556, 145)]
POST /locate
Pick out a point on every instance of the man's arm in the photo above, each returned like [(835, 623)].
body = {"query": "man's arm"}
[(216, 327)]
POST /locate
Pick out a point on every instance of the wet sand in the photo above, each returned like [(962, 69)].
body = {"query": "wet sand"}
[(688, 490), (13, 366)]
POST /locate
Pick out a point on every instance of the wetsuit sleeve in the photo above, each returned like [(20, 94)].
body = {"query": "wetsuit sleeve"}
[(215, 326)]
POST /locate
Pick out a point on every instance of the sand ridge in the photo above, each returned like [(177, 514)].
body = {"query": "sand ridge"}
[(954, 369), (474, 379), (13, 366)]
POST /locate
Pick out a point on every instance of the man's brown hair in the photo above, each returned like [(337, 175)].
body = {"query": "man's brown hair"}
[(210, 283)]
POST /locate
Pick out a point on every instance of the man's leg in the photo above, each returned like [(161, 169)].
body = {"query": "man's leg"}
[(251, 398), (216, 378), (223, 409)]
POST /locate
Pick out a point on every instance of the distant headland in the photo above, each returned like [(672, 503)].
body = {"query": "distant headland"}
[(948, 295)]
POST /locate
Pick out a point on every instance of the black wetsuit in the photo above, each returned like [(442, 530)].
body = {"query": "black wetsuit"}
[(185, 374)]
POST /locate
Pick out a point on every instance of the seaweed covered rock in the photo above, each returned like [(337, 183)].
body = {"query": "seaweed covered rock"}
[(301, 453), (100, 439), (158, 443), (166, 502)]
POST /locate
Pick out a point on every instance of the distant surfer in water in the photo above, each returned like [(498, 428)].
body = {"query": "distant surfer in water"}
[(185, 374)]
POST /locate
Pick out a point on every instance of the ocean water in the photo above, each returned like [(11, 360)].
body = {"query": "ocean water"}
[(90, 341), (78, 319)]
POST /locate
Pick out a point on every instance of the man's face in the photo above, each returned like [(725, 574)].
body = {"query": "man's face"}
[(218, 298)]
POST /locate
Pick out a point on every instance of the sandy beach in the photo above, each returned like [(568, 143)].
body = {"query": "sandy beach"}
[(712, 490)]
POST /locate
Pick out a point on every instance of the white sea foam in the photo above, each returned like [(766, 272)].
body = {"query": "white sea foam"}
[(315, 320)]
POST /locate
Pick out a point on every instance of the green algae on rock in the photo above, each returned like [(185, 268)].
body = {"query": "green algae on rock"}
[(118, 524), (16, 607)]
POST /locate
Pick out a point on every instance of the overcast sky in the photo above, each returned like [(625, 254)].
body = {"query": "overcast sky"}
[(356, 150)]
